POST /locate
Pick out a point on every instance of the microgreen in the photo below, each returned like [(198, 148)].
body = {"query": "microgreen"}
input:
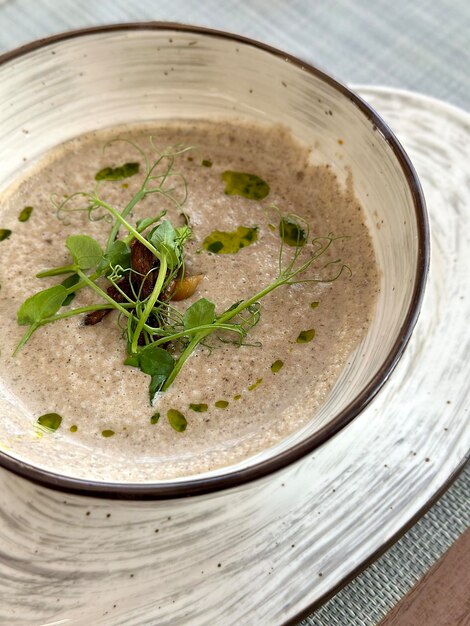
[(144, 267)]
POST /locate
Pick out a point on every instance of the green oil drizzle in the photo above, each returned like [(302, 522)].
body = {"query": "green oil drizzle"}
[(247, 185), (25, 214), (199, 408), (256, 384), (291, 232), (50, 421), (221, 404), (206, 163), (276, 366), (177, 420), (155, 417), (305, 336), (313, 305), (125, 185), (220, 242), (4, 233), (237, 397), (107, 433), (73, 428), (118, 173)]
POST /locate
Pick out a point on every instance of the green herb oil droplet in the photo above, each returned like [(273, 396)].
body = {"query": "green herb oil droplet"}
[(73, 428), (291, 232), (206, 163), (313, 305), (220, 242), (50, 421), (237, 396), (276, 366), (256, 384), (118, 173), (247, 185), (199, 408), (221, 404), (25, 214), (4, 233), (155, 417), (107, 433), (305, 336), (177, 420)]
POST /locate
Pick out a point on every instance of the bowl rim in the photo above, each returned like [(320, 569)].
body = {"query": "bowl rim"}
[(198, 486)]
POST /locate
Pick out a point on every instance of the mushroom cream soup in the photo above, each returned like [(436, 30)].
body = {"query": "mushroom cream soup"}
[(242, 205)]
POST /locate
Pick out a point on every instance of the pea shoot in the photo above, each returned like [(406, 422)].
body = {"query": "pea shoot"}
[(144, 266)]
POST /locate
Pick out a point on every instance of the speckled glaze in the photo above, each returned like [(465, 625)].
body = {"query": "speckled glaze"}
[(107, 77)]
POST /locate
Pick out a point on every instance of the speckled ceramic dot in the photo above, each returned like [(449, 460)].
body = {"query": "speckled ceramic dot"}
[(73, 84)]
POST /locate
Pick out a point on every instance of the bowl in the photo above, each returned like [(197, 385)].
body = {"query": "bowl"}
[(92, 79)]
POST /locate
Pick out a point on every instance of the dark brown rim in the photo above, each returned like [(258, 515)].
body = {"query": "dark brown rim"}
[(195, 487)]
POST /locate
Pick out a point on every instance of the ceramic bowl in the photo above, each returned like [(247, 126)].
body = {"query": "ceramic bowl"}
[(78, 82)]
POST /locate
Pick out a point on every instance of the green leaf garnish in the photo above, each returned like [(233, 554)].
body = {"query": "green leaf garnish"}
[(155, 362), (118, 254), (163, 237), (200, 313), (25, 214), (70, 281), (118, 173), (177, 420), (4, 233), (50, 421), (86, 251), (247, 185), (42, 305)]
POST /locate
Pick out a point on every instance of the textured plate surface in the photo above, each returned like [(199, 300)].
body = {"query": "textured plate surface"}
[(263, 553)]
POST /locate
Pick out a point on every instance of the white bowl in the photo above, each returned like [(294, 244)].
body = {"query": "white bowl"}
[(92, 79)]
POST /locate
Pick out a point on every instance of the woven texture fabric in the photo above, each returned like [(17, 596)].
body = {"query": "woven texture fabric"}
[(367, 600), (421, 46)]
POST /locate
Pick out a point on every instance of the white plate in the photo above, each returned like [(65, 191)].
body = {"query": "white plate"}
[(75, 560)]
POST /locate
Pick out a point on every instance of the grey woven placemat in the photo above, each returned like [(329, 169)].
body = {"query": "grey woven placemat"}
[(366, 600)]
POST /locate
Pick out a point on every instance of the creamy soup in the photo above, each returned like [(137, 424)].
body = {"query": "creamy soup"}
[(235, 399)]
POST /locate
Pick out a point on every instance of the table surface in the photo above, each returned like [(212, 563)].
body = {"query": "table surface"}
[(422, 46)]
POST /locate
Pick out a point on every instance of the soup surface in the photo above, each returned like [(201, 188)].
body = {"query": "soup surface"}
[(237, 400)]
